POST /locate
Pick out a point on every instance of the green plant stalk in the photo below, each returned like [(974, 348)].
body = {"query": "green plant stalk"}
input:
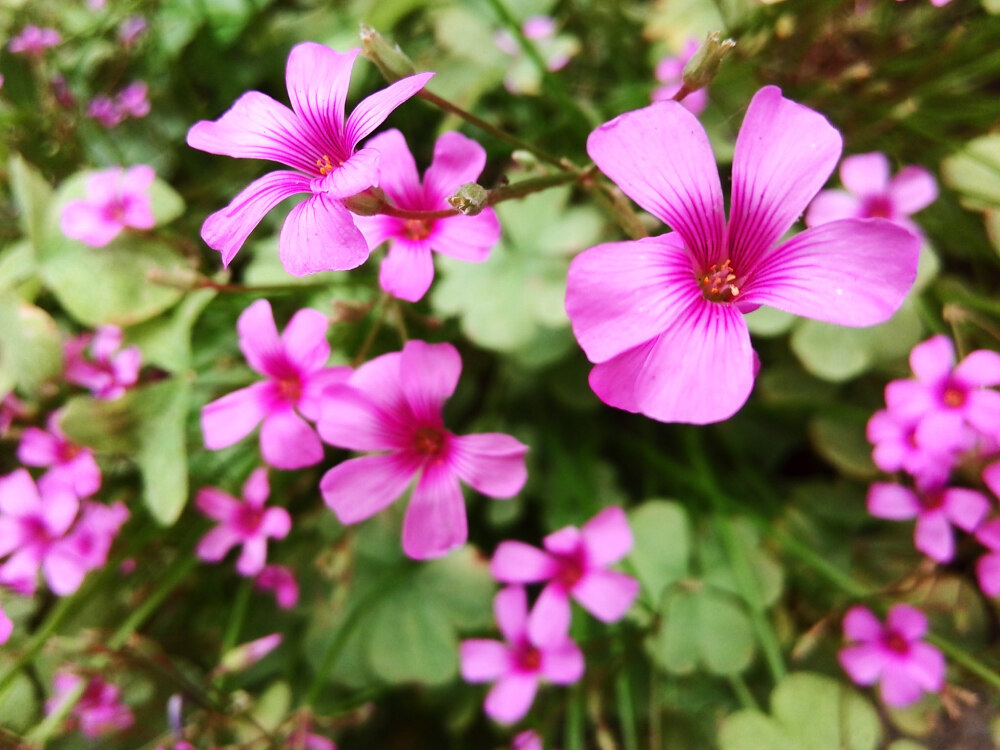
[(174, 576), (62, 610), (743, 694), (52, 721), (235, 625), (575, 715), (626, 711)]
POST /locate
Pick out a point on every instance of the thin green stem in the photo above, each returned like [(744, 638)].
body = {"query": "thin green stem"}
[(60, 612), (575, 716), (54, 719), (235, 624), (743, 694), (174, 576), (963, 657), (626, 711), (379, 309)]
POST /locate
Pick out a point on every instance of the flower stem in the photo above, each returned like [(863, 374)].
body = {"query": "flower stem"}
[(380, 309)]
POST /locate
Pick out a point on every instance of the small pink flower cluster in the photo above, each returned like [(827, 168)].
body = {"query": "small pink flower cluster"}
[(116, 199), (97, 362), (99, 710), (573, 564), (34, 40), (112, 111), (947, 417)]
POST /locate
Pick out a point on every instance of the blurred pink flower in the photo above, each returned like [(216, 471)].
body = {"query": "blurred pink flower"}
[(893, 655), (245, 523), (527, 740), (574, 564), (109, 370), (133, 99), (315, 140), (295, 366), (518, 665), (555, 52), (6, 627), (99, 711), (936, 510), (935, 3), (662, 318), (408, 269), (131, 29), (393, 404), (302, 739), (95, 531), (62, 93), (11, 408), (247, 654), (896, 449), (106, 111), (34, 526), (669, 72), (34, 40), (871, 194), (116, 199), (988, 566), (281, 581), (71, 465)]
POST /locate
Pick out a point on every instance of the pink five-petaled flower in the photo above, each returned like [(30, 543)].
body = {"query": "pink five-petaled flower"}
[(245, 523), (669, 72), (408, 269), (393, 404), (662, 318), (109, 370), (34, 526), (988, 534), (936, 510), (116, 199), (314, 139), (98, 711), (34, 40), (295, 365), (70, 464), (896, 449), (893, 655), (870, 193), (281, 581), (575, 564), (518, 664)]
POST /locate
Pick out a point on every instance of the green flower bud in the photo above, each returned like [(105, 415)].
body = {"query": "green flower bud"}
[(391, 61), (470, 199), (701, 69)]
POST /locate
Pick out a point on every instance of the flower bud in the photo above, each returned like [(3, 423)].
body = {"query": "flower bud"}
[(391, 61), (702, 68), (245, 655), (470, 199), (368, 203)]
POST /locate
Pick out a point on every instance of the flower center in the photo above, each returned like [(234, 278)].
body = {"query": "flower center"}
[(66, 452), (895, 642), (417, 229), (248, 519), (932, 500), (290, 389), (428, 441), (878, 207), (717, 283), (570, 571), (325, 165), (530, 659), (953, 396)]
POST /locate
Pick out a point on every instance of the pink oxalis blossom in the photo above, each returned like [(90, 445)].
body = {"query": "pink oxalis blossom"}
[(116, 199), (519, 664), (392, 404), (295, 366), (871, 193), (574, 563), (315, 140), (896, 449), (247, 523), (70, 464), (281, 581), (527, 740), (99, 710), (662, 318), (97, 361), (936, 509), (555, 51), (670, 72), (105, 110), (408, 269), (988, 534), (894, 655), (34, 40), (133, 100)]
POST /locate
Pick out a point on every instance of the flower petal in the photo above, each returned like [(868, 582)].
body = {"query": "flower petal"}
[(892, 501), (350, 419), (831, 205), (216, 504), (491, 463), (548, 623), (435, 520), (64, 570), (257, 488), (926, 666), (398, 176), (863, 663), (227, 229), (908, 621), (38, 447), (511, 697), (988, 574), (784, 154), (662, 159), (563, 665), (912, 189), (430, 374), (317, 79), (304, 340), (259, 340), (354, 175), (483, 660), (372, 110), (360, 487), (865, 174), (457, 160), (606, 594), (408, 270), (933, 359), (897, 688), (468, 238), (319, 235), (19, 495), (853, 272), (517, 562), (216, 543), (287, 441), (253, 557), (86, 222), (861, 625), (981, 367), (607, 537), (231, 418), (933, 536), (510, 608), (965, 508)]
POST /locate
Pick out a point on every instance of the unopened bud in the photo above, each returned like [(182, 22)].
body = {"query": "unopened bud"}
[(524, 158), (470, 199), (390, 60), (368, 203), (247, 654), (702, 68)]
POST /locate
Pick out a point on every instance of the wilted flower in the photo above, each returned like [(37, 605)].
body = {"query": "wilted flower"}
[(408, 269), (34, 40), (669, 72), (295, 366), (247, 523), (99, 710), (893, 655), (281, 581), (393, 404), (575, 564), (518, 665), (71, 465), (116, 199), (662, 318), (109, 370), (314, 139)]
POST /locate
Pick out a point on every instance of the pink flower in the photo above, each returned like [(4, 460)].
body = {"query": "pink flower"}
[(6, 627), (34, 526), (936, 510), (295, 366), (893, 655), (11, 408), (408, 270), (247, 654), (95, 531), (34, 40), (945, 401), (99, 711), (669, 72), (988, 566), (935, 3), (315, 140), (109, 370), (106, 111), (132, 100), (62, 93), (871, 194), (281, 581), (116, 199), (393, 404), (522, 76), (131, 29), (519, 664), (575, 564), (896, 449), (527, 740), (662, 318), (244, 523), (72, 465)]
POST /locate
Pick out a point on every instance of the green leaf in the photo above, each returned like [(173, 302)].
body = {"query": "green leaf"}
[(809, 712), (700, 626), (20, 702), (30, 345), (768, 321), (411, 640), (17, 264), (167, 204), (460, 586), (165, 341), (675, 644), (842, 442), (661, 545), (975, 172), (33, 197), (162, 411), (768, 575)]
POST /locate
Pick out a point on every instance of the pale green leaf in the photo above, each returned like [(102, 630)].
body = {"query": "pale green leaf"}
[(30, 345), (661, 545), (411, 640), (32, 196)]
